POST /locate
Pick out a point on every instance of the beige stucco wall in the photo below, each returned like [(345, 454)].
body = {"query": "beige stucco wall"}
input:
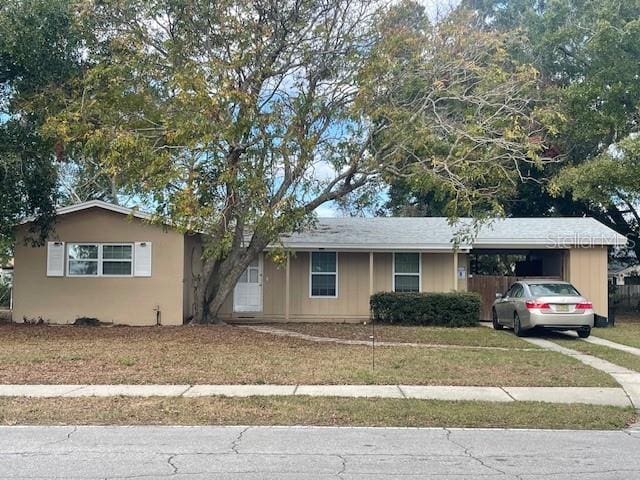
[(122, 300), (352, 303), (586, 269)]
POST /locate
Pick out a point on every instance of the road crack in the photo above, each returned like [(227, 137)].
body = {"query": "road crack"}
[(468, 453), (173, 465), (236, 443), (343, 467)]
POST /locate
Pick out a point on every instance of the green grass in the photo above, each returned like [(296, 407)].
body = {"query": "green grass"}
[(224, 354), (623, 359), (625, 333), (471, 336), (308, 411)]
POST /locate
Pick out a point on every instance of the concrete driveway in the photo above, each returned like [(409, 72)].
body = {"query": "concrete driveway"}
[(284, 453)]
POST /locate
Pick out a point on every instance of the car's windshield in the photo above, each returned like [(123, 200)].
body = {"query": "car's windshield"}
[(552, 289)]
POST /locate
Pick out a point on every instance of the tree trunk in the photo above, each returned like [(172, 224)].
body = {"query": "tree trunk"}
[(218, 280), (200, 294)]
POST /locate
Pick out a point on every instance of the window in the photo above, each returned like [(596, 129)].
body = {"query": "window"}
[(109, 260), (83, 260), (324, 274), (251, 274), (117, 259), (552, 290), (406, 272)]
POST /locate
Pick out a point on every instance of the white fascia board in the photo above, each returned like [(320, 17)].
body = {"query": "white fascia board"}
[(105, 206), (97, 204), (560, 243), (434, 248)]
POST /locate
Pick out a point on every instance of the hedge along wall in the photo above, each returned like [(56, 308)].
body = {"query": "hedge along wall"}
[(455, 309)]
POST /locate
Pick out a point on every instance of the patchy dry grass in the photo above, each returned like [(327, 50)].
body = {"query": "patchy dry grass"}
[(224, 354), (308, 411), (625, 333), (472, 336), (624, 359)]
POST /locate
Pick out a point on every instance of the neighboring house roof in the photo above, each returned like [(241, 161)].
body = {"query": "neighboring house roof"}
[(436, 233), (427, 233), (631, 270)]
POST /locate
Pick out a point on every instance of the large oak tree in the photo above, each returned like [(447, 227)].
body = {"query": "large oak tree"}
[(237, 119)]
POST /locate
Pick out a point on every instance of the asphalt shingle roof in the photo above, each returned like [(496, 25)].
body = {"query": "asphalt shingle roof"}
[(437, 233)]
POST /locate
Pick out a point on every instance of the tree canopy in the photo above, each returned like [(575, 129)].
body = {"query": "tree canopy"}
[(237, 119)]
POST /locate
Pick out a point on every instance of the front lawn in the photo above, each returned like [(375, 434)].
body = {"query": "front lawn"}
[(624, 359), (625, 333), (232, 355), (308, 411), (473, 336)]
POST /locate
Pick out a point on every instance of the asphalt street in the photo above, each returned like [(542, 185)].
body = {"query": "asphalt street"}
[(285, 453)]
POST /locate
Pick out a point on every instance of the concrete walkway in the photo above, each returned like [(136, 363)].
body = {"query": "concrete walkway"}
[(281, 332), (614, 345), (585, 395), (628, 379)]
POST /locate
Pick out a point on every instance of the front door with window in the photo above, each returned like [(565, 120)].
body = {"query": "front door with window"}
[(247, 296)]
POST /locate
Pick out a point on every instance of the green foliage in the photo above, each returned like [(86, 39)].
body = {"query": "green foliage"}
[(455, 309), (587, 52), (38, 50), (463, 123)]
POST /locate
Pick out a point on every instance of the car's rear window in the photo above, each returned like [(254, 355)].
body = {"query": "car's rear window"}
[(551, 289)]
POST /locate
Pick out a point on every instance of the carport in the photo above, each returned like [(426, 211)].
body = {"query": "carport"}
[(493, 271), (570, 249)]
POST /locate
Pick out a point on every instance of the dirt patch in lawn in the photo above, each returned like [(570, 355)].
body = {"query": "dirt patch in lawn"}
[(231, 355), (308, 411)]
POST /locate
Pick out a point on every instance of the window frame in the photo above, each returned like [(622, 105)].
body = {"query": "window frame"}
[(394, 274), (116, 260), (312, 273), (100, 260)]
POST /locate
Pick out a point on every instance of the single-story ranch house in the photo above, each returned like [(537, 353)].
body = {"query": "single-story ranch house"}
[(111, 263)]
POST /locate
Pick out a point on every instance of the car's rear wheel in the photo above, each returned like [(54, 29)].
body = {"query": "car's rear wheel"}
[(517, 326), (496, 324), (584, 332)]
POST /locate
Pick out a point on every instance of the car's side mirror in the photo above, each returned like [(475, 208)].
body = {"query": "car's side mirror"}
[(498, 295)]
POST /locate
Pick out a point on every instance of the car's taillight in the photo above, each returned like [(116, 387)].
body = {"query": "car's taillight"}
[(584, 306), (533, 304)]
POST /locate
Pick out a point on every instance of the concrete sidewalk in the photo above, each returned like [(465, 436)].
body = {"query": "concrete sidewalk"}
[(585, 395)]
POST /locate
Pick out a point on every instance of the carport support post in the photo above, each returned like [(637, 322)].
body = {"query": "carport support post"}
[(286, 287), (455, 270), (370, 273)]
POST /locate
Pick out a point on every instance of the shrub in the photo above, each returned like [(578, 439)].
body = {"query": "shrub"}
[(455, 309)]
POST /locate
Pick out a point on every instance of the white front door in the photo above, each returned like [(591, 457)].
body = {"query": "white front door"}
[(247, 296)]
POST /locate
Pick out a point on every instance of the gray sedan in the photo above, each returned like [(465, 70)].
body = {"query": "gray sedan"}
[(548, 304)]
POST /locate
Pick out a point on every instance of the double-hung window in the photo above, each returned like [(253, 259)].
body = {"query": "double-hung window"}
[(324, 274), (83, 259), (406, 272), (117, 259), (96, 259)]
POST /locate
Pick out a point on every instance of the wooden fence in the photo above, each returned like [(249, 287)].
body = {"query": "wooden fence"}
[(627, 297), (488, 285)]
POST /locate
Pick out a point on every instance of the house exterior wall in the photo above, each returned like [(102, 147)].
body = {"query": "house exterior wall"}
[(352, 302), (122, 300), (586, 269)]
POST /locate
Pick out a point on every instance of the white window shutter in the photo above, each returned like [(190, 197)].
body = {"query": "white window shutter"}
[(55, 259), (142, 259)]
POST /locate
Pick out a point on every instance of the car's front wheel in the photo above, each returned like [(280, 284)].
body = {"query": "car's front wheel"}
[(496, 324), (584, 332)]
